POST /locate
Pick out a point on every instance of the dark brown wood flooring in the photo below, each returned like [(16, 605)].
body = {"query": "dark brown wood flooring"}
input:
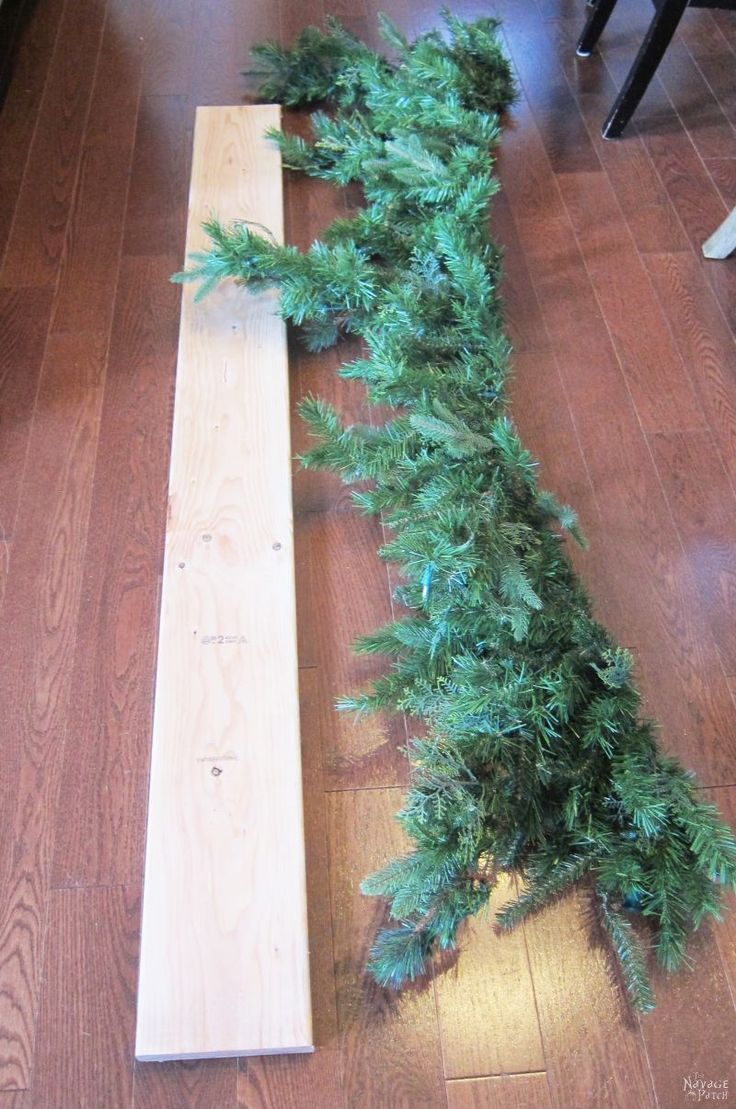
[(625, 388)]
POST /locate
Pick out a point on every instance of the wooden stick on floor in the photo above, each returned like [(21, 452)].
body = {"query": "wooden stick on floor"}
[(224, 964), (723, 240)]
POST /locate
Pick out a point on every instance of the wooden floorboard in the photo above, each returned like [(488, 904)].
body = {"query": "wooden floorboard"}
[(625, 387), (101, 819), (502, 1009), (20, 108), (518, 1091), (85, 1027), (37, 236)]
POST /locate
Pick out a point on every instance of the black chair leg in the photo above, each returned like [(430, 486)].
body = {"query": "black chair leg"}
[(596, 21), (660, 31)]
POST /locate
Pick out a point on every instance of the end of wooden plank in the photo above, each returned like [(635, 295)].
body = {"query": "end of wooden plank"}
[(306, 1050)]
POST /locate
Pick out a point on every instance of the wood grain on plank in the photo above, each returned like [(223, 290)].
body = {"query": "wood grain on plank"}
[(489, 989), (705, 341), (292, 19), (224, 964), (639, 541), (18, 1099), (303, 1081), (700, 111), (389, 1041), (24, 318), (87, 1012), (171, 46), (156, 215), (116, 93), (592, 1041), (524, 324), (41, 610), (88, 276), (223, 47), (508, 1091), (652, 366), (307, 1080), (723, 172), (714, 57), (313, 1081), (702, 501), (566, 141), (366, 751), (661, 184), (695, 1026), (21, 103), (550, 433), (531, 189), (36, 239), (194, 1084), (652, 220), (322, 971), (669, 145), (100, 824)]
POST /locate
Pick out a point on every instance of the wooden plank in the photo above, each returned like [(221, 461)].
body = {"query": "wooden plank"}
[(20, 104), (36, 240), (367, 751), (639, 545), (705, 341), (490, 988), (224, 966), (307, 1081), (702, 502), (85, 1028), (508, 1091), (100, 824), (694, 1029), (592, 1042), (40, 614), (156, 216), (191, 1084), (389, 1042)]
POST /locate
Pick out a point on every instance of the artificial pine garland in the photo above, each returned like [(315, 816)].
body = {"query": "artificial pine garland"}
[(535, 760)]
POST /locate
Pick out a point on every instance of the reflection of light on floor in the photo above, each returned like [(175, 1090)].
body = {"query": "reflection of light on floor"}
[(713, 565)]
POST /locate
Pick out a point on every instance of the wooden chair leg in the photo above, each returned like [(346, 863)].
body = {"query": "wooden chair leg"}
[(723, 240), (660, 31), (596, 21)]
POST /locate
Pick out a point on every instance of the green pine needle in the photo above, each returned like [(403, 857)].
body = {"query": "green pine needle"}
[(532, 757)]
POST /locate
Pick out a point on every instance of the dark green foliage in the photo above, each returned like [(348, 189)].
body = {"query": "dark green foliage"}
[(534, 759)]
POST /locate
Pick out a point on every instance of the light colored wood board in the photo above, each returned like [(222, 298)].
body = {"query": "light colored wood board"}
[(489, 988), (224, 960), (507, 1091)]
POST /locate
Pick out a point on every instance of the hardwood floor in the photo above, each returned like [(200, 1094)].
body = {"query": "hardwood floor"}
[(625, 388)]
